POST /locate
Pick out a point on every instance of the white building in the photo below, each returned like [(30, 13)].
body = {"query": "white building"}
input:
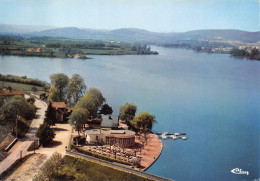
[(124, 138)]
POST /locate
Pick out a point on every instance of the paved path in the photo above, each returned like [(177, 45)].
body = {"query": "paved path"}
[(24, 144), (31, 166), (118, 166)]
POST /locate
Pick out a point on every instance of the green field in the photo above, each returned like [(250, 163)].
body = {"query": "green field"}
[(20, 48), (25, 87), (63, 48), (107, 52), (79, 169)]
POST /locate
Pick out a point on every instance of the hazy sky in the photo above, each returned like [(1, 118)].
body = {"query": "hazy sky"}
[(153, 15)]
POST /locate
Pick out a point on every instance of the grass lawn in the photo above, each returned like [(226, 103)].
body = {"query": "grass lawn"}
[(14, 85), (79, 169), (107, 52)]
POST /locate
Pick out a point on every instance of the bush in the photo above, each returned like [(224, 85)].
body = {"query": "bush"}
[(49, 168), (31, 100), (81, 140), (34, 89), (34, 146), (45, 134)]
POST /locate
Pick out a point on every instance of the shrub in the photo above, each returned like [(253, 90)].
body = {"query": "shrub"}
[(45, 134), (34, 89)]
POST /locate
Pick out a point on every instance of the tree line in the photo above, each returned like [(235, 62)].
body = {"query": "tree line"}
[(22, 80), (252, 54)]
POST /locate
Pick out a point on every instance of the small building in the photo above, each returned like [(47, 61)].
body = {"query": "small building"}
[(103, 121), (12, 92), (80, 56), (123, 138), (38, 50), (30, 50), (109, 121), (61, 110)]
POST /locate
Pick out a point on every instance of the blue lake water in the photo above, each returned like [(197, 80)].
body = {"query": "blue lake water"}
[(214, 98)]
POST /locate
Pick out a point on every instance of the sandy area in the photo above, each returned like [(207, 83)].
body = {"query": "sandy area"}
[(28, 169), (61, 140)]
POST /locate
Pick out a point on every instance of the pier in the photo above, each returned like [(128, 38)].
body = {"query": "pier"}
[(174, 136)]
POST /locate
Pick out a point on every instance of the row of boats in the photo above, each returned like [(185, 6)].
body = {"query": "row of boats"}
[(174, 136)]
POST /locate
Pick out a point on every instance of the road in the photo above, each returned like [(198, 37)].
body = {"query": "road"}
[(23, 144)]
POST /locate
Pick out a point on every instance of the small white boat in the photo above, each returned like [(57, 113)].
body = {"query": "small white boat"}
[(163, 136), (184, 138), (177, 134), (174, 137)]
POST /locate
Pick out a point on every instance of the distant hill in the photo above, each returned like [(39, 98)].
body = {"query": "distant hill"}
[(140, 35), (72, 32), (21, 29), (229, 34), (132, 34)]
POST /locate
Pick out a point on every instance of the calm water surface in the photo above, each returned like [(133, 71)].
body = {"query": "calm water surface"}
[(214, 98)]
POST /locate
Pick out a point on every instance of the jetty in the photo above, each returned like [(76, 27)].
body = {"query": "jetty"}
[(174, 136)]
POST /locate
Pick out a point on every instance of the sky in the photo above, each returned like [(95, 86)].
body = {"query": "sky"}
[(152, 15)]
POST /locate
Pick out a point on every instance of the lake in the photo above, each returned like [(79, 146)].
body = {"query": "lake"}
[(214, 98)]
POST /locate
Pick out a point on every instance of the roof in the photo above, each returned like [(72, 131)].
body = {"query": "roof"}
[(109, 121), (95, 120), (110, 132), (58, 105), (11, 92)]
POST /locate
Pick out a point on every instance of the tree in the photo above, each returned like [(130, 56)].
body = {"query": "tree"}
[(48, 169), (91, 101), (254, 53), (31, 100), (78, 118), (105, 109), (60, 82), (144, 122), (76, 89), (50, 115), (45, 134), (15, 107), (2, 100), (54, 95), (127, 112), (56, 161), (34, 89), (238, 52)]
